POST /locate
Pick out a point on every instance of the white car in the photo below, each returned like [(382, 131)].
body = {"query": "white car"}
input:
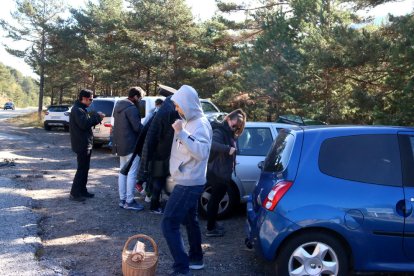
[(57, 116), (252, 148)]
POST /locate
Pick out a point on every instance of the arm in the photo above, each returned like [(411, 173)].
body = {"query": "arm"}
[(218, 145), (134, 119), (197, 143), (85, 121)]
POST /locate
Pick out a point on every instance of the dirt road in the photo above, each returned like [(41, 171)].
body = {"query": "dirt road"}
[(87, 238)]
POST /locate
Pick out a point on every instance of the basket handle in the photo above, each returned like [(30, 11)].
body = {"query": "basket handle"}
[(141, 236)]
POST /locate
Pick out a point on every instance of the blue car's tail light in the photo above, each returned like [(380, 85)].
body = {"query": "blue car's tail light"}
[(276, 194)]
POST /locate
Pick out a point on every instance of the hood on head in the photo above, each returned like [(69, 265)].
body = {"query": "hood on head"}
[(187, 98), (123, 104)]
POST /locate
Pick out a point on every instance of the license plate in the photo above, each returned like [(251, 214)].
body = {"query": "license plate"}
[(96, 130), (55, 117)]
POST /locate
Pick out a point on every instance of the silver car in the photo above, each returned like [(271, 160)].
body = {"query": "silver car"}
[(252, 147)]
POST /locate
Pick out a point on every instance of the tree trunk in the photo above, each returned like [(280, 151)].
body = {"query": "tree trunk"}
[(42, 75)]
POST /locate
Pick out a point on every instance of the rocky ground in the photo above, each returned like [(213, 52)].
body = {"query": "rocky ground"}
[(87, 238)]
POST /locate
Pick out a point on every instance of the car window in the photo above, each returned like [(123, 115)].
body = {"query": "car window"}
[(278, 158), (363, 158), (255, 141), (407, 158), (58, 108), (208, 107), (105, 107), (142, 108)]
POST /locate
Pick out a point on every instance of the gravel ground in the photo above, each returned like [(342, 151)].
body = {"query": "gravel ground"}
[(44, 233), (88, 238)]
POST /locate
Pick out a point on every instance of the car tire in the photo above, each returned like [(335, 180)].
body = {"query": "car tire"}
[(229, 202), (47, 127), (321, 248)]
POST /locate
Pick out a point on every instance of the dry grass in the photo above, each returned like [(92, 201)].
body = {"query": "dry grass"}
[(28, 120)]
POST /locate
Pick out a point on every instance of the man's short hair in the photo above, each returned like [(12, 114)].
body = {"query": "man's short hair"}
[(158, 102), (85, 93), (136, 91)]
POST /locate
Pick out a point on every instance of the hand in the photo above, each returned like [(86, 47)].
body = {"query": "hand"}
[(102, 115), (232, 151), (177, 125)]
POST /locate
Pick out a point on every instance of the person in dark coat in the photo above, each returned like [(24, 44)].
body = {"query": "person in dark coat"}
[(156, 152), (221, 165), (127, 128), (81, 138)]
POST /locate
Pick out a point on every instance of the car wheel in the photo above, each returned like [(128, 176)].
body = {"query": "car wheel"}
[(47, 127), (226, 205), (312, 254)]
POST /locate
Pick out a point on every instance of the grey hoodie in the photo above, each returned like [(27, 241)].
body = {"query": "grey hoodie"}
[(191, 146)]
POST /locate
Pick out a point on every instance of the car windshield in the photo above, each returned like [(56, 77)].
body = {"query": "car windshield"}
[(208, 107), (58, 108), (103, 106)]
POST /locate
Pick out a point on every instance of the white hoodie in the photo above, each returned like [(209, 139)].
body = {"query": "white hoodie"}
[(191, 146)]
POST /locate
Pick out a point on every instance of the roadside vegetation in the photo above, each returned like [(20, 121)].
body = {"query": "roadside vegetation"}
[(314, 58), (27, 120)]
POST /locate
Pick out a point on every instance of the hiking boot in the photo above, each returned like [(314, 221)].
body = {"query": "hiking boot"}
[(77, 198), (88, 195), (157, 211), (196, 265), (215, 233), (121, 203), (147, 199), (133, 206)]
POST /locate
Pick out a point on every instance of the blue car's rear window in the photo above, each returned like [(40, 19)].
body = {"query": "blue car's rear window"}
[(363, 158)]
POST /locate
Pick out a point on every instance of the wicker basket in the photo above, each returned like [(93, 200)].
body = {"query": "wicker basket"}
[(147, 266)]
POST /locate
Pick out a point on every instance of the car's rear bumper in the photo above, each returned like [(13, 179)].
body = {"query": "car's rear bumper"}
[(56, 123), (266, 230)]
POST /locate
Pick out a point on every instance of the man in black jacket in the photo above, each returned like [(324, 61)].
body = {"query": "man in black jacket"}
[(81, 138), (156, 152)]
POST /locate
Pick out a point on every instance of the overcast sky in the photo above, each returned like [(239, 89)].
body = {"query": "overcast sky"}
[(202, 9)]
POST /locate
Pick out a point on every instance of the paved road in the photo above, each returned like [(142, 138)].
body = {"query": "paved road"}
[(5, 114), (19, 241)]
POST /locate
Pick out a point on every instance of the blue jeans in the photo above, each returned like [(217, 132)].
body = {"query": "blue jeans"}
[(181, 208)]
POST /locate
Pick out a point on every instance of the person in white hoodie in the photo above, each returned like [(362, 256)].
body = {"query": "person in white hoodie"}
[(188, 165)]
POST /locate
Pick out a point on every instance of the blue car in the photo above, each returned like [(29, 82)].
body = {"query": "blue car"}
[(336, 199)]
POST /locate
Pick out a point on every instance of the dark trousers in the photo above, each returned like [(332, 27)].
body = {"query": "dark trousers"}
[(157, 185), (181, 208), (218, 190), (81, 176)]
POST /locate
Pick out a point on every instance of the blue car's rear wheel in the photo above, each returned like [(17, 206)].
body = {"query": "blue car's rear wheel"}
[(312, 254)]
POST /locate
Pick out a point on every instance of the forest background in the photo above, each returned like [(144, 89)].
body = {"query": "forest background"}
[(313, 58)]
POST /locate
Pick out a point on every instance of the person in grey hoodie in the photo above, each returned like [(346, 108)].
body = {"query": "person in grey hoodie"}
[(127, 127), (188, 165)]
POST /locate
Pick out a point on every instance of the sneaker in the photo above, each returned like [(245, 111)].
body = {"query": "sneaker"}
[(157, 211), (133, 206), (219, 226), (147, 199), (88, 195), (77, 198), (121, 203), (196, 265), (215, 233)]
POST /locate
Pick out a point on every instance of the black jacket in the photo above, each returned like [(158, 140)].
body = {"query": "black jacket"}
[(127, 127), (159, 138), (80, 126), (220, 162)]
